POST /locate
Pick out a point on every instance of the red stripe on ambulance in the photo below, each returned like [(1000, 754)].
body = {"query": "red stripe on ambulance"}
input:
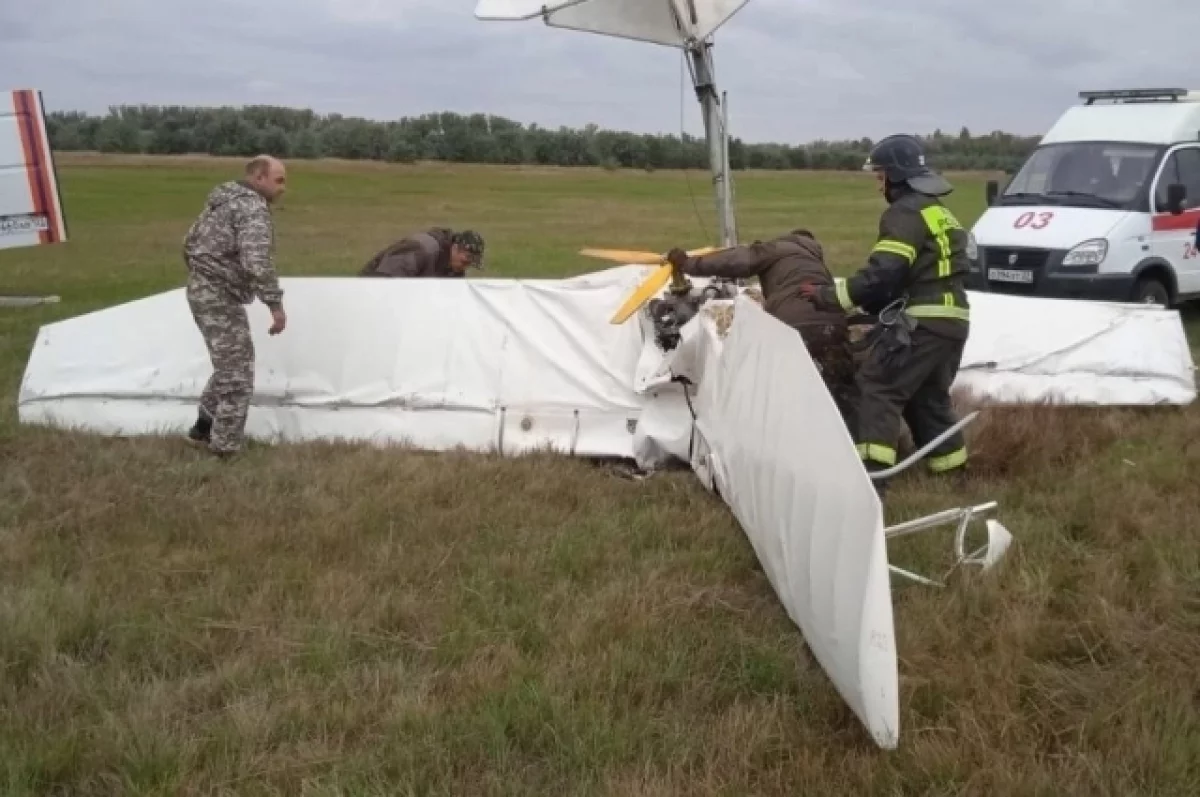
[(1187, 220)]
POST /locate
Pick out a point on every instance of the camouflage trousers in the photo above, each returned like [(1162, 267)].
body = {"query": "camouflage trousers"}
[(829, 347), (226, 398)]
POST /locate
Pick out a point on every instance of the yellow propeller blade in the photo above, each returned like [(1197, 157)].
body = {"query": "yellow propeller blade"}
[(624, 256), (643, 294), (653, 284), (639, 258)]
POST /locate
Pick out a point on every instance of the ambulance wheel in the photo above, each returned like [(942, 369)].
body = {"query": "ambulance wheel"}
[(1149, 290)]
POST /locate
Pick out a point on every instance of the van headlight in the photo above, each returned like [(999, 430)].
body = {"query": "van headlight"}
[(972, 247), (1088, 253)]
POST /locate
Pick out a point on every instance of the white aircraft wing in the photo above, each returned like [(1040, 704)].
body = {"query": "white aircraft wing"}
[(517, 10), (667, 22)]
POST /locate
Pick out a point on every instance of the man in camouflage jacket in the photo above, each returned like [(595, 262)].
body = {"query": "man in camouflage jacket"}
[(229, 252)]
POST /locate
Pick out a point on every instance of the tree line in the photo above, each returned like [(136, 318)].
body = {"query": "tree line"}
[(472, 138)]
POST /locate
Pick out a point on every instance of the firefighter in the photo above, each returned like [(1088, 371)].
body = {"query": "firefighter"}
[(920, 257), (782, 265)]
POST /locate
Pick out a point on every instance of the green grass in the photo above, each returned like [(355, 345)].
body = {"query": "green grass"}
[(329, 619)]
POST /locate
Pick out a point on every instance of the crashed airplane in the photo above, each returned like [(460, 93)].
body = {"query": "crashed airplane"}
[(517, 365), (722, 387)]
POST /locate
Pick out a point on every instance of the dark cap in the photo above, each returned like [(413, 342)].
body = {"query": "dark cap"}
[(472, 242)]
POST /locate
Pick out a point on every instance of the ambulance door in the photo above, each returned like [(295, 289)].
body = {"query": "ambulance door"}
[(1174, 235)]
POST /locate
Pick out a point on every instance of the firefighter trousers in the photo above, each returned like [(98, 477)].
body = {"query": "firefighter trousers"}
[(917, 394)]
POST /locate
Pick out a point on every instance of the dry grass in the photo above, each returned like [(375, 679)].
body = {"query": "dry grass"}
[(326, 619)]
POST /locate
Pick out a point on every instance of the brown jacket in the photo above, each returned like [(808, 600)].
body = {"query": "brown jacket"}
[(782, 265), (426, 254)]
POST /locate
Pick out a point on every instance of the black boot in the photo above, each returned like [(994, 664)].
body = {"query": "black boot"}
[(958, 478), (880, 485), (881, 488), (201, 431)]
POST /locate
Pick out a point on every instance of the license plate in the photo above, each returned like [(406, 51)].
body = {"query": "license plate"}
[(1009, 275)]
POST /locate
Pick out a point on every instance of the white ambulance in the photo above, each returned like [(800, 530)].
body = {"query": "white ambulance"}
[(1107, 207)]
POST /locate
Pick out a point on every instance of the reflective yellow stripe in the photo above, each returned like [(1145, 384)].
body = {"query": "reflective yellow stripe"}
[(843, 294), (950, 461), (939, 311), (896, 248), (884, 455), (939, 219)]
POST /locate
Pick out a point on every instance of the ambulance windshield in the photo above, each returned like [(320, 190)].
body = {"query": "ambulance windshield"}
[(1090, 174)]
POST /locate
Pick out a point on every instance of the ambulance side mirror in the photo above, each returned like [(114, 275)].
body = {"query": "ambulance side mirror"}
[(992, 191), (1176, 194)]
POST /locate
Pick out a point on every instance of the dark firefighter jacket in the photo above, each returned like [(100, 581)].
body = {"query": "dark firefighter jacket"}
[(426, 254), (782, 265), (921, 253)]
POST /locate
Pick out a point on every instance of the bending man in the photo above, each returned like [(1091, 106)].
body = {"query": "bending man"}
[(436, 252), (783, 265)]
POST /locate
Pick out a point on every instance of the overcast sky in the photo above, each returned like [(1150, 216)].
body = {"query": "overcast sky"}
[(795, 70)]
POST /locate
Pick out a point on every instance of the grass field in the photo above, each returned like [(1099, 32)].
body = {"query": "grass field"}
[(325, 620)]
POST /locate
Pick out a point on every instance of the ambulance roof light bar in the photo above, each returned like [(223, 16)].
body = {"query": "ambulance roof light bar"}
[(1147, 95)]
